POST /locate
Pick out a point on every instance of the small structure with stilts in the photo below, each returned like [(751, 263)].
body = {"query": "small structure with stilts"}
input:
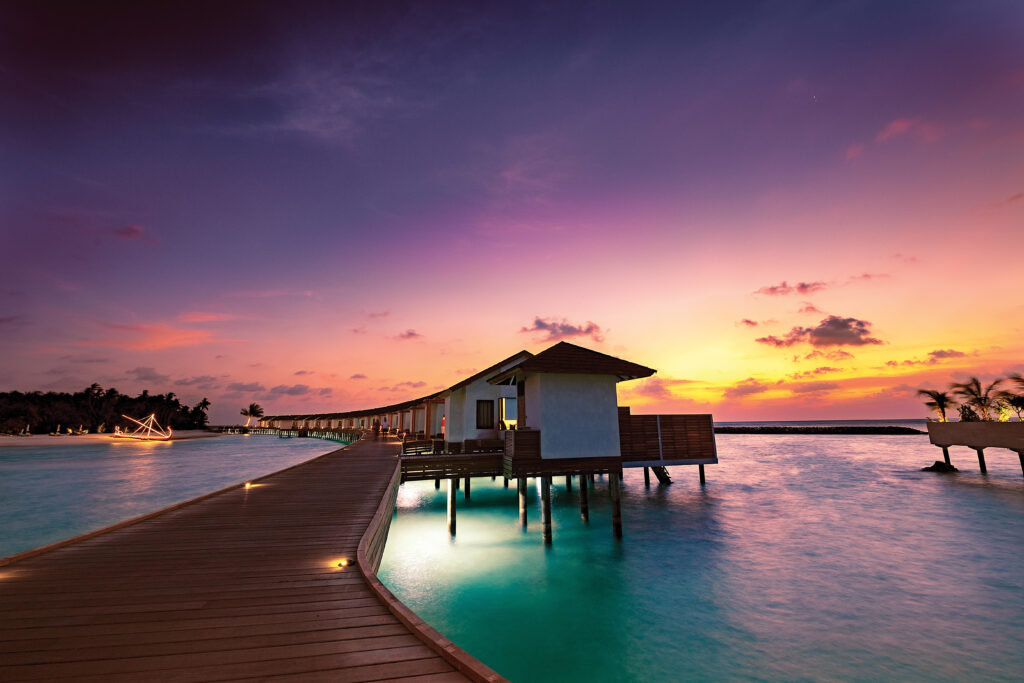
[(544, 415), (979, 436)]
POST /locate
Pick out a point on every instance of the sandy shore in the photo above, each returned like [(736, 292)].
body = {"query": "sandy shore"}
[(38, 440)]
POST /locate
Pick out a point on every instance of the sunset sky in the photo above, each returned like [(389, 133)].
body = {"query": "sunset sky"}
[(798, 210)]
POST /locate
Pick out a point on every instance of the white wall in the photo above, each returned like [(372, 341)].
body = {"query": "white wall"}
[(577, 415)]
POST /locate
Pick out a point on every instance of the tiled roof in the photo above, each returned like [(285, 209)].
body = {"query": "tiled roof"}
[(568, 358)]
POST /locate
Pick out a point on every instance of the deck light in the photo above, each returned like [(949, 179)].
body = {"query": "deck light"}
[(248, 484), (343, 563)]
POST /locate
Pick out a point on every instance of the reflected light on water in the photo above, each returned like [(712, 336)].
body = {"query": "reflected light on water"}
[(805, 557)]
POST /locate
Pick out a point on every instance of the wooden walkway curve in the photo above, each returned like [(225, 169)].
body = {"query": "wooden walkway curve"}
[(240, 585)]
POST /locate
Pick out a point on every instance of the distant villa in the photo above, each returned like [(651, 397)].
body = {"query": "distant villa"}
[(556, 405)]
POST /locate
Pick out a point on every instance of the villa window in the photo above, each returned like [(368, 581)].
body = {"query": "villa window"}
[(485, 414)]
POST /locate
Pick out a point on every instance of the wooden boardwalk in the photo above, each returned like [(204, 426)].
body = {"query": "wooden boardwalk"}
[(241, 585)]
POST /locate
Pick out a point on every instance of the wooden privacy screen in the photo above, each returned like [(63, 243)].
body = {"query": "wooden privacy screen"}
[(666, 439)]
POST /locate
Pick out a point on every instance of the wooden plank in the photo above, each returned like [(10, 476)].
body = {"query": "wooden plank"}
[(242, 584)]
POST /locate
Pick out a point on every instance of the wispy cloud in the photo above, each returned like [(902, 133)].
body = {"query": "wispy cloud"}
[(290, 390), (658, 387), (204, 317), (245, 388), (784, 288), (748, 322), (555, 329), (134, 233), (303, 372), (402, 386), (201, 381), (408, 334), (146, 374), (917, 127), (748, 387), (934, 357), (150, 336), (358, 375), (807, 374), (853, 150)]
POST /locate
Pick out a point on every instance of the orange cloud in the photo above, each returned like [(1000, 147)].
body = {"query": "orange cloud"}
[(150, 337), (203, 317)]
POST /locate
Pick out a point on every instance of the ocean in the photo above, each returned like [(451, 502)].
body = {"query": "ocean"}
[(50, 493), (805, 557)]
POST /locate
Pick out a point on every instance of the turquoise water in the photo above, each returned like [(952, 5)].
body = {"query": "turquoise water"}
[(804, 558), (50, 493)]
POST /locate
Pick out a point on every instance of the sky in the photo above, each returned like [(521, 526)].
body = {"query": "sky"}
[(799, 210)]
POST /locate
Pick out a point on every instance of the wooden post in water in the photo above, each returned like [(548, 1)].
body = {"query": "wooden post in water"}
[(467, 488), (437, 483), (700, 468), (506, 481), (1020, 454), (945, 455), (647, 476), (981, 460), (613, 486), (568, 482), (453, 486), (584, 499), (590, 478), (545, 507), (522, 501)]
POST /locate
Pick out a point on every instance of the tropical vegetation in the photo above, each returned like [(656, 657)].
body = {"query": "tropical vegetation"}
[(254, 411), (976, 402), (94, 409)]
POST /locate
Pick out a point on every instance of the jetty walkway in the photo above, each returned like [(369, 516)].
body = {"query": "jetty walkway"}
[(242, 584)]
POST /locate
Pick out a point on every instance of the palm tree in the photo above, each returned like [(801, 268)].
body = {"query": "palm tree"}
[(940, 401), (1018, 378), (981, 398), (253, 411)]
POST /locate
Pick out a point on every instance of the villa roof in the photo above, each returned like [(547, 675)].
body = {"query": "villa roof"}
[(563, 357), (566, 358)]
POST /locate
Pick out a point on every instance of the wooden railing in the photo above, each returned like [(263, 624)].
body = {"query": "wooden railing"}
[(666, 439)]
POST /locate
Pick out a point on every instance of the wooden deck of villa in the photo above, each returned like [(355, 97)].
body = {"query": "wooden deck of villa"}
[(243, 584)]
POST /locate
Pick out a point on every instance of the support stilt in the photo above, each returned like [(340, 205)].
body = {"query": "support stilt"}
[(701, 469), (506, 481), (647, 476), (1020, 454), (453, 486), (568, 482), (945, 455), (437, 483), (522, 501), (584, 499), (613, 486), (590, 478), (545, 507), (981, 460), (467, 488)]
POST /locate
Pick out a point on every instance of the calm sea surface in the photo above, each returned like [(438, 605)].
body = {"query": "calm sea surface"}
[(804, 558), (54, 492)]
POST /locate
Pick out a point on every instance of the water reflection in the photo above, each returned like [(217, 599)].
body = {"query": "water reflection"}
[(804, 557)]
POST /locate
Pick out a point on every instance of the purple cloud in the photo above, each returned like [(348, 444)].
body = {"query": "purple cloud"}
[(239, 387), (832, 331), (748, 322), (358, 375), (747, 387), (135, 233), (147, 375), (293, 390), (409, 334), (784, 288), (556, 330)]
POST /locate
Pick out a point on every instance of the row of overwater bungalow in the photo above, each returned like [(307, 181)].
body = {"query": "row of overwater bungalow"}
[(530, 415)]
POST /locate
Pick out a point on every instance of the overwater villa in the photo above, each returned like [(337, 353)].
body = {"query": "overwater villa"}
[(554, 413)]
